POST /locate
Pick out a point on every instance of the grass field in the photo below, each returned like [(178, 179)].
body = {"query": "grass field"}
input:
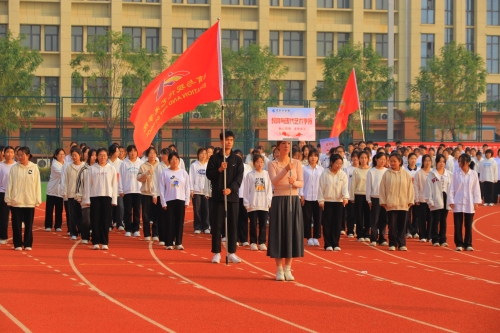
[(44, 191)]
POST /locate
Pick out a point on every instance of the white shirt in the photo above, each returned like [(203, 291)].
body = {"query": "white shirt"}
[(174, 185), (100, 181), (311, 182), (488, 170), (128, 182), (197, 175), (246, 170), (54, 184), (258, 193), (464, 192), (4, 175), (373, 179)]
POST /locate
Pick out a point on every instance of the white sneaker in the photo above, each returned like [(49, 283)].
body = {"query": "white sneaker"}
[(485, 205), (110, 229), (207, 231), (444, 245), (104, 247), (137, 234), (329, 248), (316, 242), (336, 248), (128, 234), (18, 249), (169, 247), (459, 248), (48, 229), (367, 239), (373, 244), (84, 241), (423, 240), (234, 259), (361, 240), (27, 248), (392, 248), (469, 248), (121, 228), (147, 238), (310, 242), (96, 247), (436, 244), (223, 239), (156, 239), (403, 248), (216, 258), (384, 244), (253, 247), (288, 274), (73, 237), (58, 229), (416, 236), (179, 247), (245, 244), (197, 232), (350, 236), (312, 225), (408, 235), (69, 233), (161, 243), (280, 274), (262, 247), (3, 241), (342, 232), (492, 204)]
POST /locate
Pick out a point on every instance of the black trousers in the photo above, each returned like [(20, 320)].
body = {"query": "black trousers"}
[(86, 223), (4, 217), (148, 215), (397, 227), (351, 218), (100, 216), (217, 215), (66, 212), (497, 185), (75, 217), (332, 223), (412, 220), (242, 222), (132, 205), (461, 220), (200, 209), (489, 192), (362, 216), (424, 220), (161, 218), (57, 203), (439, 221), (260, 217), (175, 221), (312, 214), (118, 212), (378, 221), (20, 215)]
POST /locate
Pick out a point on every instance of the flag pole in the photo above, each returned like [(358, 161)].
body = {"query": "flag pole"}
[(359, 105)]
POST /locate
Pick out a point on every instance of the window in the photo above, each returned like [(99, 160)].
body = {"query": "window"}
[(135, 38), (230, 2), (274, 3), (492, 97), (427, 12), (36, 83), (51, 38), (367, 40), (382, 5), (132, 0), (274, 42), (342, 38), (492, 54), (324, 44), (250, 2), (231, 39), (382, 45), (31, 137), (202, 2), (343, 4), (448, 35), (469, 12), (95, 32), (427, 48), (493, 12), (156, 1), (192, 35), (249, 37), (325, 4), (76, 91), (177, 41), (152, 39), (320, 84), (293, 93), (293, 3), (51, 89), (469, 39), (98, 86), (292, 43), (176, 1), (448, 12), (368, 4), (3, 31), (32, 34), (76, 39)]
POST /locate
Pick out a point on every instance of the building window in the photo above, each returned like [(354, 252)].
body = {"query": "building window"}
[(493, 12), (32, 34), (250, 2), (51, 89), (428, 11), (193, 34), (156, 1), (3, 31), (231, 39), (249, 37), (367, 40), (324, 44), (293, 93), (427, 49), (152, 39), (76, 91), (135, 38), (293, 3), (98, 87), (274, 42), (492, 49), (492, 97), (51, 38), (230, 2), (368, 4), (31, 137), (95, 32), (469, 39), (177, 41), (292, 43), (36, 83), (176, 1), (325, 4), (76, 39), (382, 5), (448, 12), (382, 45), (274, 3), (343, 4), (448, 35), (201, 2), (342, 38), (469, 12)]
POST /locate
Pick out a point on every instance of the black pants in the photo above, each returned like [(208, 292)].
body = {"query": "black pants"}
[(75, 217), (424, 221), (66, 212), (118, 212), (463, 220), (362, 216), (397, 227), (497, 185), (412, 220), (261, 217), (332, 223), (86, 223), (148, 216), (351, 218), (312, 214), (57, 203), (378, 221), (175, 221), (132, 205), (100, 216), (439, 221), (20, 215), (489, 192), (161, 218), (200, 210), (481, 186), (4, 217), (242, 222), (217, 215)]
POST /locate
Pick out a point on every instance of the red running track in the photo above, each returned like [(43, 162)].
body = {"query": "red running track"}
[(136, 285)]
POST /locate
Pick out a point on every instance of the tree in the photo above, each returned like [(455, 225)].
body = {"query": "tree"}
[(20, 102), (374, 80), (116, 72), (446, 91)]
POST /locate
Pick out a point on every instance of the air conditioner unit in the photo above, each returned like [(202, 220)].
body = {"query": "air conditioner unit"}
[(383, 116), (196, 115), (97, 114), (43, 163)]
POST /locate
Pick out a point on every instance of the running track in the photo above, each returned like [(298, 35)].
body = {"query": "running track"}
[(63, 285)]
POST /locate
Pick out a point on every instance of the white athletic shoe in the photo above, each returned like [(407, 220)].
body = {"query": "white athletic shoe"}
[(485, 205), (367, 239), (137, 234), (408, 235), (216, 258), (392, 248), (128, 234), (262, 247), (403, 248), (288, 274), (280, 274), (312, 225), (73, 237), (69, 233), (336, 248), (223, 239), (104, 247), (350, 236), (179, 247), (416, 236), (169, 247), (469, 248), (110, 229), (310, 242), (234, 259), (492, 204), (361, 240), (84, 241), (253, 247), (373, 244), (342, 232), (27, 248), (245, 244), (316, 242), (18, 249), (58, 230), (436, 244), (423, 240), (207, 231), (96, 247), (459, 248), (3, 241), (48, 229), (121, 228), (156, 239), (384, 244), (161, 243), (329, 248), (147, 238), (197, 232), (444, 245)]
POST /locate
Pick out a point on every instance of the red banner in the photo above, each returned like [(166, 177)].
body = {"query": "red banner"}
[(348, 104), (194, 79)]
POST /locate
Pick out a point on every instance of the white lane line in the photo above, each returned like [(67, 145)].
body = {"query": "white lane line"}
[(109, 298), (14, 319), (474, 227), (223, 296), (493, 266), (130, 262), (463, 253)]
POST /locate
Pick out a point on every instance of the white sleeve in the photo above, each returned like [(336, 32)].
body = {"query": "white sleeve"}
[(269, 191), (192, 175), (120, 186), (114, 184), (187, 189), (369, 187), (246, 194), (162, 190)]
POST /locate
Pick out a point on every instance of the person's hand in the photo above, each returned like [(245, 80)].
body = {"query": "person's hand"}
[(409, 205), (207, 197), (452, 205), (417, 203), (192, 194), (475, 206), (226, 191), (322, 206), (346, 201), (164, 207), (223, 166), (291, 180), (289, 167), (384, 206), (302, 201), (155, 200), (121, 195), (150, 172), (369, 205)]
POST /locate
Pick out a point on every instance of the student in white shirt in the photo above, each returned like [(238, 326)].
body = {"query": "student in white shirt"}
[(497, 160), (68, 191), (72, 145), (129, 188), (357, 194), (242, 237), (465, 197), (145, 176), (114, 160), (378, 216), (450, 165), (421, 207), (309, 199), (5, 166), (257, 198), (197, 178), (351, 216), (54, 196), (161, 215), (412, 217), (174, 196), (456, 154), (80, 191), (488, 169)]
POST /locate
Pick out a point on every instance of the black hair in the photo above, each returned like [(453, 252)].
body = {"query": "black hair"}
[(217, 150), (423, 159), (381, 150), (306, 147), (340, 147), (151, 149), (439, 157), (332, 151), (91, 152), (479, 153), (100, 150), (363, 153), (121, 147), (165, 151), (467, 159), (83, 144), (432, 149), (4, 149), (73, 143), (313, 152), (411, 155), (489, 151), (227, 134), (334, 158), (210, 147), (173, 154), (56, 152), (238, 152), (376, 158), (354, 154), (200, 150), (387, 145), (130, 147), (27, 151), (256, 157), (398, 142), (369, 142), (399, 158), (112, 149)]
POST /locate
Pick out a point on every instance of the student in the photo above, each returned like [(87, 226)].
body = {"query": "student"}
[(161, 216), (67, 162), (357, 194), (114, 160), (123, 153), (333, 195), (465, 197), (257, 199), (456, 154), (54, 196), (477, 163), (309, 199), (72, 145), (412, 217), (23, 194), (80, 190), (396, 196), (378, 215), (305, 155), (129, 189), (68, 191), (450, 165), (5, 166), (145, 176), (351, 216), (174, 196), (242, 212), (197, 178), (488, 169), (173, 148), (421, 208)]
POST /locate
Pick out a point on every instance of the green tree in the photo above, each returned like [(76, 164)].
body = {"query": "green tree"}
[(447, 90), (373, 77), (20, 102)]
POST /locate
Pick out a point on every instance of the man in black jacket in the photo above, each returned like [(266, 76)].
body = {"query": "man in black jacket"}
[(234, 177)]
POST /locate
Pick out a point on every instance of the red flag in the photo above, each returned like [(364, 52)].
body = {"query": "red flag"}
[(195, 78), (348, 104)]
